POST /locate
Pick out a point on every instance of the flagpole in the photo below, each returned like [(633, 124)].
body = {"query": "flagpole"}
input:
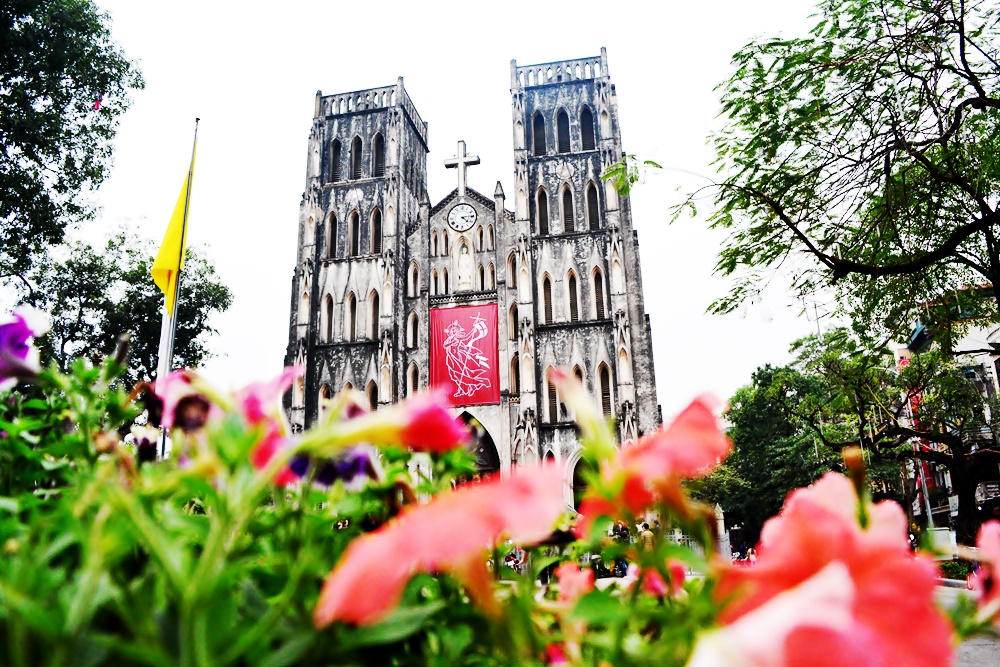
[(168, 326)]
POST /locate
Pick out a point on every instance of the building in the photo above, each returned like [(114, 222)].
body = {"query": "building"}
[(392, 293)]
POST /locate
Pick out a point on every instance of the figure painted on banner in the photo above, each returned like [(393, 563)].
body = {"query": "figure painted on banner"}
[(467, 366), (465, 271)]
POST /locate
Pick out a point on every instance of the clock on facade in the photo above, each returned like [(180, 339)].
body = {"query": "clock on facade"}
[(462, 217)]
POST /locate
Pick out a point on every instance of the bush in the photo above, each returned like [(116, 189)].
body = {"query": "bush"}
[(955, 569)]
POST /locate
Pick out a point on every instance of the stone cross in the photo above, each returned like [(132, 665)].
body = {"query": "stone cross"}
[(461, 163)]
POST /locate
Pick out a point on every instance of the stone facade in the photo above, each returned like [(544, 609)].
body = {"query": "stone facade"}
[(374, 258)]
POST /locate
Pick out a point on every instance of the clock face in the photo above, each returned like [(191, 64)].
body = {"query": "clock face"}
[(462, 217)]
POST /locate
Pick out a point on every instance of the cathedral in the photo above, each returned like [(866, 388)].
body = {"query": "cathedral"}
[(392, 294)]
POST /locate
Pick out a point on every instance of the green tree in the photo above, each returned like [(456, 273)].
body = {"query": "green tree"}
[(57, 61), (774, 452), (929, 410), (865, 158), (95, 295)]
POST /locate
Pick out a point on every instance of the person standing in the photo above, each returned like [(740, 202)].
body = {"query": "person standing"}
[(646, 538)]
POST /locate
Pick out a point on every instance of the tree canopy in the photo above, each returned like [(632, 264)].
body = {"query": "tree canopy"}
[(773, 450), (58, 60), (865, 157), (930, 407), (94, 295)]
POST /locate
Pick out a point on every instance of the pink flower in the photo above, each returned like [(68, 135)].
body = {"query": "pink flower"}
[(421, 423), (260, 405), (18, 359), (429, 427), (555, 655), (811, 624), (874, 602), (654, 467), (654, 584), (179, 403), (986, 583), (449, 534), (573, 582)]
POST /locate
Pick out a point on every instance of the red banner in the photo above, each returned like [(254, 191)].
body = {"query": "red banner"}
[(464, 357)]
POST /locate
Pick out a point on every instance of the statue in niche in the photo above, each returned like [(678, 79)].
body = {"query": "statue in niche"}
[(626, 423), (465, 270)]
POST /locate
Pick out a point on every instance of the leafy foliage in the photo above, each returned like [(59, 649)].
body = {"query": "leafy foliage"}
[(626, 173), (96, 295), (773, 451), (57, 60), (864, 158)]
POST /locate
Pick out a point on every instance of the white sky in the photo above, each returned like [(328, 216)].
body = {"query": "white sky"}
[(251, 75)]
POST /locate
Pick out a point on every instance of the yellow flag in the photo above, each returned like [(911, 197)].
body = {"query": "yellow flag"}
[(170, 258)]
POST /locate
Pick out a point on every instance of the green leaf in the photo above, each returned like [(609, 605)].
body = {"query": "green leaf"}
[(400, 625), (290, 652), (600, 607)]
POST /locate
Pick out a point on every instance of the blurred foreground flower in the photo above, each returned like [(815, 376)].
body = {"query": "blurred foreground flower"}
[(449, 534), (260, 406), (18, 359), (574, 582), (653, 582), (653, 468), (827, 591), (986, 582)]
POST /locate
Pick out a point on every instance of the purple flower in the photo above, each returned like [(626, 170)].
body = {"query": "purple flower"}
[(18, 359), (353, 467)]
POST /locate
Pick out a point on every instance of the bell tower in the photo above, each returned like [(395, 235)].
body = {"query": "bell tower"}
[(366, 175), (585, 303)]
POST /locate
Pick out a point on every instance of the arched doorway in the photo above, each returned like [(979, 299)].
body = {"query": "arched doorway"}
[(481, 446), (582, 472)]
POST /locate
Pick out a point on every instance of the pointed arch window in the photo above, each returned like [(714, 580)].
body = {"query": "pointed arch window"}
[(562, 129), (538, 133), (351, 319), (578, 374), (543, 212), (446, 288), (491, 241), (593, 214), (547, 300), (434, 244), (434, 282), (491, 274), (567, 209), (372, 392), (512, 322), (574, 300), (354, 234), (587, 129), (479, 238), (411, 330), (373, 312), (515, 375), (444, 242), (599, 294), (356, 158), (414, 286), (378, 156), (336, 156), (482, 278), (328, 312), (511, 269), (331, 235), (605, 376), (413, 381), (377, 232), (325, 394), (553, 402)]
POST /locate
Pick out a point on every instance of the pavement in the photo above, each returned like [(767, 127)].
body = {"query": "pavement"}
[(975, 652)]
